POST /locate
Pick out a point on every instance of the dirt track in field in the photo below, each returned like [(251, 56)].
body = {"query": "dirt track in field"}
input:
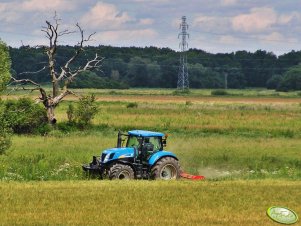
[(176, 99)]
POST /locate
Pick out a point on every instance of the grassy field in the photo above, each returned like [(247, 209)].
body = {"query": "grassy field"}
[(247, 144), (145, 202)]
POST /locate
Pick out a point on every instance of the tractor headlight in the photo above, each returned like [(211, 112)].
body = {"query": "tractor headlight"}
[(106, 158)]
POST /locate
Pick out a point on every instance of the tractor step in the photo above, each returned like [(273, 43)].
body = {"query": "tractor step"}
[(191, 177)]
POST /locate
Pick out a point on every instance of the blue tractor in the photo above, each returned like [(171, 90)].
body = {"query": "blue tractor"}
[(139, 155)]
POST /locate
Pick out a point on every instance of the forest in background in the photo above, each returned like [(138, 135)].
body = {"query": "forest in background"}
[(152, 67)]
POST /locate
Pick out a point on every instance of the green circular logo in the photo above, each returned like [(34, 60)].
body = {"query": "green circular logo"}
[(282, 215)]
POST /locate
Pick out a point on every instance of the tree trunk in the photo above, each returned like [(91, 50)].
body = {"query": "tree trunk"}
[(50, 115), (55, 88)]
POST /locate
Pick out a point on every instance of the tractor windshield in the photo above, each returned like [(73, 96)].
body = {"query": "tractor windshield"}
[(134, 141)]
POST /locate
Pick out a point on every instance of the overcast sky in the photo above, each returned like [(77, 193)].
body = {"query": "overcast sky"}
[(214, 25)]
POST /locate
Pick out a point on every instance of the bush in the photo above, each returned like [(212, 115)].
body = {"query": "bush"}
[(70, 113), (67, 127), (132, 105), (5, 141), (219, 92), (179, 92), (24, 116), (85, 110)]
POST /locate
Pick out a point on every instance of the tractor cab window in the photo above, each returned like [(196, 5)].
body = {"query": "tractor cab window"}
[(156, 142), (134, 141)]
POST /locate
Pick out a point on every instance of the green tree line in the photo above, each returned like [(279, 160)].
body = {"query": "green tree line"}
[(126, 67)]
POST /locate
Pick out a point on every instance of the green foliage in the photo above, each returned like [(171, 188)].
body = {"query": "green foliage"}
[(5, 66), (85, 110), (132, 105), (180, 92), (274, 82), (291, 79), (125, 67), (219, 92), (90, 79), (70, 113), (25, 116), (5, 141)]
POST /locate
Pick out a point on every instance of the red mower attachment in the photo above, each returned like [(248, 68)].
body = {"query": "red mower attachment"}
[(191, 177)]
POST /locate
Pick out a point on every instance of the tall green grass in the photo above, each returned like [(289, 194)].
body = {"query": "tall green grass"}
[(59, 157), (250, 120)]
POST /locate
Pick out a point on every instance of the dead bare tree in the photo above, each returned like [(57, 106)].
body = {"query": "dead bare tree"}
[(65, 74)]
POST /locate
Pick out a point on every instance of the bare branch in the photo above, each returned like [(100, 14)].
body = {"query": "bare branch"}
[(24, 81), (65, 70), (65, 32), (33, 72), (20, 84)]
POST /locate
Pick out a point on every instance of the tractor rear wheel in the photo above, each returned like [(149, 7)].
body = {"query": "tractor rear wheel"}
[(121, 172), (167, 168)]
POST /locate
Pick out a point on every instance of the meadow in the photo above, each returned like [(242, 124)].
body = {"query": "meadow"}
[(246, 143)]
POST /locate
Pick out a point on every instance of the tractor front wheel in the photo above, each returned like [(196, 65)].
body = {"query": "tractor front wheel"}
[(166, 168), (121, 172)]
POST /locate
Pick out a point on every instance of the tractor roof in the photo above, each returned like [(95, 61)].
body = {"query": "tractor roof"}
[(144, 133)]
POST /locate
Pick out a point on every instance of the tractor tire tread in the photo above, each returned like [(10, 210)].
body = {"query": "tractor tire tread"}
[(116, 168), (155, 171)]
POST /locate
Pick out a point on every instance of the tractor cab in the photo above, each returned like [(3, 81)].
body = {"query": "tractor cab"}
[(145, 143)]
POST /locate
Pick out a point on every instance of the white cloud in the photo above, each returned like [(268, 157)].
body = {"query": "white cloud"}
[(228, 2), (259, 19), (16, 10), (7, 14), (210, 23), (287, 18), (127, 35), (277, 38), (105, 16), (147, 21), (229, 40), (38, 5)]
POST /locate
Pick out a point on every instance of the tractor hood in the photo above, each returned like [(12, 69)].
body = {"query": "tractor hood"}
[(117, 153)]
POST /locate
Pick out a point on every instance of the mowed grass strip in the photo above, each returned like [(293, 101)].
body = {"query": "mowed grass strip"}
[(145, 202)]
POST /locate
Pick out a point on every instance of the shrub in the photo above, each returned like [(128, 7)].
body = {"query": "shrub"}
[(85, 110), (70, 113), (24, 116), (181, 92), (5, 141), (219, 92), (132, 105)]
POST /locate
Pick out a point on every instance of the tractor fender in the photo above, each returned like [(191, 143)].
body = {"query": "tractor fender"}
[(159, 155)]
